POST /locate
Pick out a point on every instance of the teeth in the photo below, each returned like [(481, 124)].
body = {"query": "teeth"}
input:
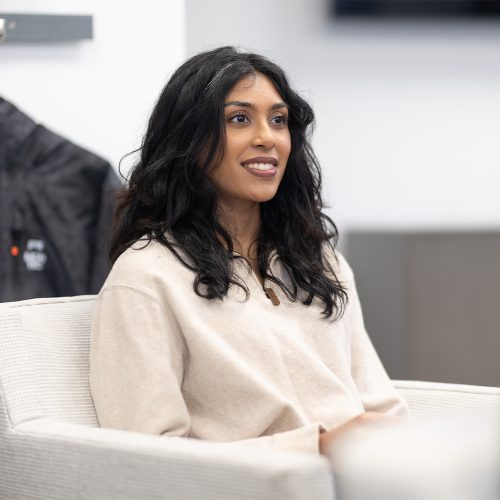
[(260, 166)]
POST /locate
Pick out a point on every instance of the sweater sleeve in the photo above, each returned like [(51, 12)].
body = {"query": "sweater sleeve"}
[(372, 381), (136, 364), (136, 372)]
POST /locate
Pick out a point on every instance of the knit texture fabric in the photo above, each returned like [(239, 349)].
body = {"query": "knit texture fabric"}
[(166, 361), (44, 349)]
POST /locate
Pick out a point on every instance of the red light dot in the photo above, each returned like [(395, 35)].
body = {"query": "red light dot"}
[(14, 251)]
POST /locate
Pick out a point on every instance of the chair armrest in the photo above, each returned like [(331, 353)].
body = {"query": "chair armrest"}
[(427, 400), (58, 460)]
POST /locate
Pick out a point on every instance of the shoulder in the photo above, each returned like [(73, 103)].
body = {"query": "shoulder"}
[(143, 255), (338, 264), (145, 266)]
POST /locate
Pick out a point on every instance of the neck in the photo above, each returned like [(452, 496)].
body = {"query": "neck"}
[(242, 222)]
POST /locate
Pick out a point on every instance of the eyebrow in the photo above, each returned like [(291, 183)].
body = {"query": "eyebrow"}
[(244, 104)]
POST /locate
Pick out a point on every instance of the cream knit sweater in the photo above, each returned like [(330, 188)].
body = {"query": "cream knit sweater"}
[(166, 361)]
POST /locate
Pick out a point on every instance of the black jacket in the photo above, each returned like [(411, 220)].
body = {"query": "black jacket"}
[(55, 212)]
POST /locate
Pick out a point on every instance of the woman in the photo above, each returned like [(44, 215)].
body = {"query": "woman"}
[(228, 315)]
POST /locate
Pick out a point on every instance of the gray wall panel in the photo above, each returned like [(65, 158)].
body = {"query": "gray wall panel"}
[(431, 303)]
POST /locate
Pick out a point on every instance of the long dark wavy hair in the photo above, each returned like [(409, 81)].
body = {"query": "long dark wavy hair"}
[(170, 198)]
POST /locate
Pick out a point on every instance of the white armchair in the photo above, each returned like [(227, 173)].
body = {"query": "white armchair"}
[(51, 446)]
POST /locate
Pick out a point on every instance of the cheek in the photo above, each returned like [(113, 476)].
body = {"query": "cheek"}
[(236, 142), (228, 176), (285, 145)]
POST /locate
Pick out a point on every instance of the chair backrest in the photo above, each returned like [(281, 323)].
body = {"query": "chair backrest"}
[(44, 359)]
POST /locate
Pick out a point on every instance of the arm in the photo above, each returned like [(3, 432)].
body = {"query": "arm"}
[(381, 402), (136, 364)]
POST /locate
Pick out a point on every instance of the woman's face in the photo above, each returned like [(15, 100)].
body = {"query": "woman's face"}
[(257, 143)]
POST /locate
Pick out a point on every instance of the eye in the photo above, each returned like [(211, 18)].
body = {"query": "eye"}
[(280, 120), (239, 118)]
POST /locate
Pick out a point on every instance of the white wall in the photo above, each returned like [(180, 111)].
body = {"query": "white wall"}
[(97, 93), (408, 115)]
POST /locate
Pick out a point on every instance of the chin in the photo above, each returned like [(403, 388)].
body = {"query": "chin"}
[(264, 197)]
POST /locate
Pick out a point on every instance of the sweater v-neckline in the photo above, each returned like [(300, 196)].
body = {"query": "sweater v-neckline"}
[(268, 291)]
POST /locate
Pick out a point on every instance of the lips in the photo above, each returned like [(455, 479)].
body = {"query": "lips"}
[(260, 160), (261, 166)]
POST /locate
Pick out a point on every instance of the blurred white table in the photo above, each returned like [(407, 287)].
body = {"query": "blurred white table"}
[(442, 459)]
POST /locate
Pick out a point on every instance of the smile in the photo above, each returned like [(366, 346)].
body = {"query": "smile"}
[(261, 166), (261, 169)]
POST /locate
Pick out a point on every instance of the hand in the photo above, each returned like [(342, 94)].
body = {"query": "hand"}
[(366, 420)]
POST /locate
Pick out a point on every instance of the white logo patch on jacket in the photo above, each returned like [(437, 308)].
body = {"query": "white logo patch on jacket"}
[(35, 256)]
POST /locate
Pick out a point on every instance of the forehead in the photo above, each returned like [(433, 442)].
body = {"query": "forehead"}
[(254, 87)]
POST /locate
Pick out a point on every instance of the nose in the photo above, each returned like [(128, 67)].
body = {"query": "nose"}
[(264, 136)]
